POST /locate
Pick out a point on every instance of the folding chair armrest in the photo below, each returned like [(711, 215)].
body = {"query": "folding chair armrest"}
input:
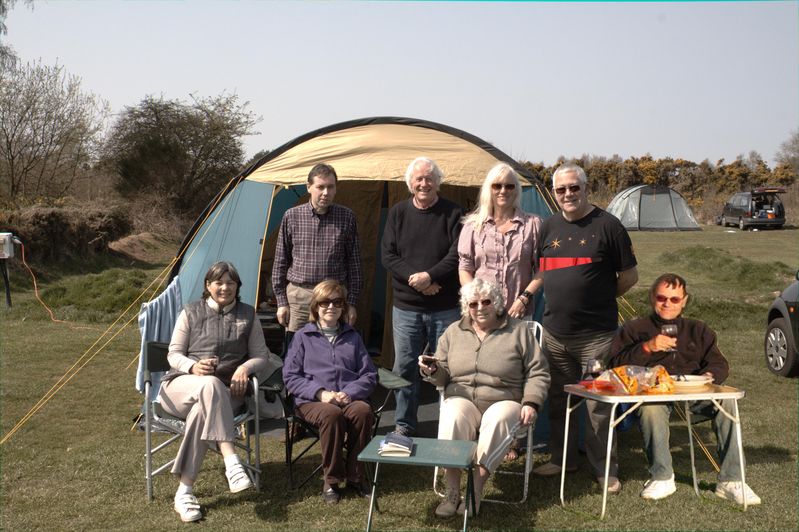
[(274, 382), (390, 380)]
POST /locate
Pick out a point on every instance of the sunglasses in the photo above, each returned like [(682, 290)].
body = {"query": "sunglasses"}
[(673, 299), (483, 302), (574, 189), (499, 186), (338, 302)]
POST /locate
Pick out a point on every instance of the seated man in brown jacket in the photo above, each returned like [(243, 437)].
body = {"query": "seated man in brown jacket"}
[(692, 352)]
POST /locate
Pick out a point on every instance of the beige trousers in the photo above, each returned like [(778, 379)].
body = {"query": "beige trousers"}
[(206, 405), (460, 419), (299, 306)]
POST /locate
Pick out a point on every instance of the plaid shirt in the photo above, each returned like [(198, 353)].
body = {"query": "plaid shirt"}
[(313, 247)]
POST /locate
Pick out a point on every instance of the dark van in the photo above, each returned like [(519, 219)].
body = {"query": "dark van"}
[(761, 207)]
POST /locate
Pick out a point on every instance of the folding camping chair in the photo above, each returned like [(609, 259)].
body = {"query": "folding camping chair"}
[(157, 420), (385, 379), (536, 330)]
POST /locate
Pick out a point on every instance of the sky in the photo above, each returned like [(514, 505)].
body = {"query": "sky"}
[(538, 80)]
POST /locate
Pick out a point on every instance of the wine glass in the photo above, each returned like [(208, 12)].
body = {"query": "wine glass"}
[(594, 368), (670, 330)]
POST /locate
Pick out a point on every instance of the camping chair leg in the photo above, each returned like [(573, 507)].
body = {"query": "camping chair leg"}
[(148, 445)]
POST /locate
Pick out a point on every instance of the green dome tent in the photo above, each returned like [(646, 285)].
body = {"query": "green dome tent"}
[(653, 208), (370, 156)]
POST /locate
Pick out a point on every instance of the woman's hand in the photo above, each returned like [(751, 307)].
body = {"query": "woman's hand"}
[(427, 364), (238, 382), (527, 415), (206, 366), (326, 396), (342, 398), (517, 309)]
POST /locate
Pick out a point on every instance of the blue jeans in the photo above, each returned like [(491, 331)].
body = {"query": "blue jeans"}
[(654, 423), (412, 330)]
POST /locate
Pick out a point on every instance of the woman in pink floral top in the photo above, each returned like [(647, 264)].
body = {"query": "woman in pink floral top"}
[(498, 240)]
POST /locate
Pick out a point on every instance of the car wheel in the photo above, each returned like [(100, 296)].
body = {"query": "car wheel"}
[(723, 221), (780, 353), (741, 225)]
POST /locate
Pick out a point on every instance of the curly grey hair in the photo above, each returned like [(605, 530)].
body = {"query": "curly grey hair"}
[(435, 172), (479, 289)]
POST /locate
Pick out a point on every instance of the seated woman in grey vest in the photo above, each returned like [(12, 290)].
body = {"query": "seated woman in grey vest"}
[(215, 347)]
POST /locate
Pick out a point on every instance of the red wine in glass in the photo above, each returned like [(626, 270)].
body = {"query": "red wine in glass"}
[(593, 368), (670, 330)]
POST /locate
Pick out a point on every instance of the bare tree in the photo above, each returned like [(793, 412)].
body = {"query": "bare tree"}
[(49, 129), (7, 55)]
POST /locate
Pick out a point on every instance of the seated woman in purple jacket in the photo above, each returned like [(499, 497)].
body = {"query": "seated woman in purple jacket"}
[(329, 373)]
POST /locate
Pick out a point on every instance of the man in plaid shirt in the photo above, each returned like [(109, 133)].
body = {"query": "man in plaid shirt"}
[(316, 241)]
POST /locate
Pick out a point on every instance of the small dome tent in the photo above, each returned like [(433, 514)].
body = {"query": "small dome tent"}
[(653, 208), (370, 156)]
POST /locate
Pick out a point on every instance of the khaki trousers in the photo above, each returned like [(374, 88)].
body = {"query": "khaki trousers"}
[(460, 419), (299, 306), (206, 405)]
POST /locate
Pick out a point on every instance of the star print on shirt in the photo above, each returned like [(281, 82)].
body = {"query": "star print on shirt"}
[(555, 243), (582, 241)]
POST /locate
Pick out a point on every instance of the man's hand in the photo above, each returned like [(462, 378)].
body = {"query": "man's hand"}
[(283, 314), (661, 343), (432, 290), (419, 281), (352, 315), (527, 415)]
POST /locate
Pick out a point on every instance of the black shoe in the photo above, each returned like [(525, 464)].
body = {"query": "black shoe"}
[(331, 495), (360, 489)]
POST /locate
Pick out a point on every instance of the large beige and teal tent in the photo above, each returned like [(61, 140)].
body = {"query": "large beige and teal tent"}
[(370, 157)]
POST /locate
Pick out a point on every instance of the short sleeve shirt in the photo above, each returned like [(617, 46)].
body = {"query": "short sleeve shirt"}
[(579, 261)]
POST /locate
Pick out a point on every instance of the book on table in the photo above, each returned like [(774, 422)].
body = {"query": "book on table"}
[(395, 445)]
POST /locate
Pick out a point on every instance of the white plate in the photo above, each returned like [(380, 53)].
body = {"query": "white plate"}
[(684, 383)]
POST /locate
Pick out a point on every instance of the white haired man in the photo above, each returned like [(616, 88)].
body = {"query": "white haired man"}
[(420, 250)]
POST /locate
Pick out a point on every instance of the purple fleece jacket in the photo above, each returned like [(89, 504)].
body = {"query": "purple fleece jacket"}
[(313, 363)]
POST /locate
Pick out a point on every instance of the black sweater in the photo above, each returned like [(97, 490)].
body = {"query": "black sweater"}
[(416, 240), (696, 353)]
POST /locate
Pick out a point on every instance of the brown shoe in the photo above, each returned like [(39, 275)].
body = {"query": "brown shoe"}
[(359, 489), (331, 495), (614, 484)]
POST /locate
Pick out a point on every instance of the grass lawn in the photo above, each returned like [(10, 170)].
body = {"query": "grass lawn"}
[(77, 465)]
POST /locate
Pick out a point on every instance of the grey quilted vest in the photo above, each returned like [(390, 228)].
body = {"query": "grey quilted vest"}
[(213, 333)]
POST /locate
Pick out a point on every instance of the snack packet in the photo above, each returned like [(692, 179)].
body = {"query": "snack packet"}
[(640, 379)]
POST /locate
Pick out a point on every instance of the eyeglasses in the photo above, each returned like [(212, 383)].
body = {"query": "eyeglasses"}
[(483, 302), (499, 186), (673, 299), (338, 302), (574, 189)]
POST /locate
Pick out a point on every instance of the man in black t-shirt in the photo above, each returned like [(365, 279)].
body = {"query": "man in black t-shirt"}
[(586, 261)]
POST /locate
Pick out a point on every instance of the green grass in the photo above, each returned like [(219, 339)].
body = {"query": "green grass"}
[(76, 464)]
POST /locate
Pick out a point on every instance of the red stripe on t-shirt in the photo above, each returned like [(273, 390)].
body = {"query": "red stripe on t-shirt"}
[(555, 263)]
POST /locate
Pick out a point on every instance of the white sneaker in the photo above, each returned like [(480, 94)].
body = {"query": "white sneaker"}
[(658, 489), (188, 508), (237, 478), (449, 505), (732, 492)]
